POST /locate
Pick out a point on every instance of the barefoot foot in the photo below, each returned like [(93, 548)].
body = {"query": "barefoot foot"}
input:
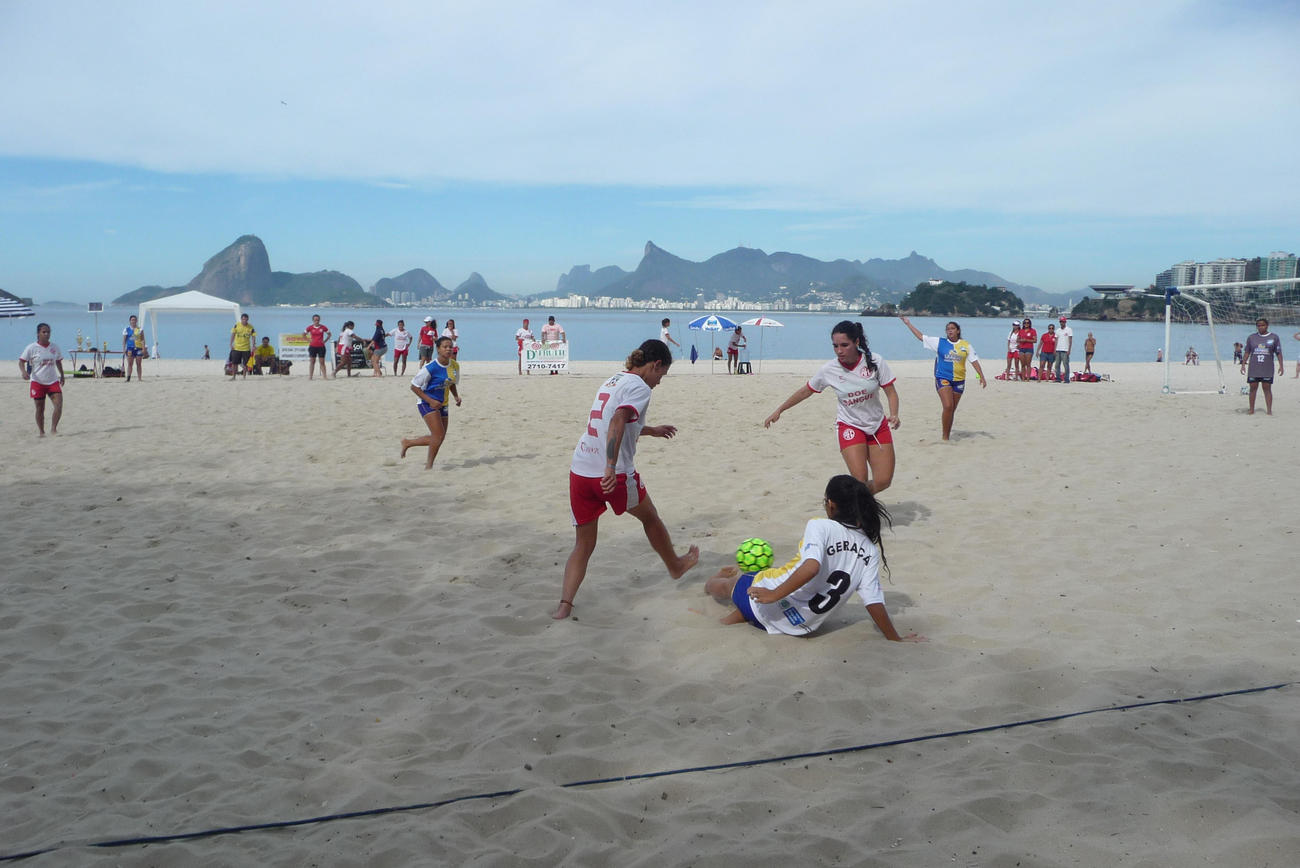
[(562, 611), (685, 562)]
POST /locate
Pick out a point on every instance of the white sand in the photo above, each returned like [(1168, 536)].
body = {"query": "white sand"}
[(231, 604)]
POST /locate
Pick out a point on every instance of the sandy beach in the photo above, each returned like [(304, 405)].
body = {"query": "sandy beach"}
[(232, 604)]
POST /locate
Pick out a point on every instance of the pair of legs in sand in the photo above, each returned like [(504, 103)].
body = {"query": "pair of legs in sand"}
[(437, 424), (56, 398), (575, 568)]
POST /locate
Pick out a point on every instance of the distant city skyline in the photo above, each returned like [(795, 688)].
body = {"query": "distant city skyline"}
[(1041, 143)]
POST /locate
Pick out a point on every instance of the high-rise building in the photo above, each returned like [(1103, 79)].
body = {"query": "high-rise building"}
[(1220, 271), (1276, 266), (1182, 274)]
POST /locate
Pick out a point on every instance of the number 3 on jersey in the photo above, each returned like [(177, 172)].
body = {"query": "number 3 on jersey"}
[(598, 412), (839, 583)]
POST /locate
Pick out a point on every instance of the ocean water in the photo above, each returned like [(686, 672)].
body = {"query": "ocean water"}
[(610, 335)]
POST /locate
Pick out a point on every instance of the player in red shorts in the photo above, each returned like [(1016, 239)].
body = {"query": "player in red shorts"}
[(41, 363), (857, 376), (602, 472)]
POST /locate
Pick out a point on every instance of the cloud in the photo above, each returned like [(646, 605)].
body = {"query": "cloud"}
[(1164, 107)]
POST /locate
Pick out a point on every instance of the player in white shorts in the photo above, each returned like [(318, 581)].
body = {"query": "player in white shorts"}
[(602, 472), (857, 376), (839, 555)]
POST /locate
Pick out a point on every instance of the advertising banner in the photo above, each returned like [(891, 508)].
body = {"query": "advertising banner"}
[(293, 348), (545, 357)]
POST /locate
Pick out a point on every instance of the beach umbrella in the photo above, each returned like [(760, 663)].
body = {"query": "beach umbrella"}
[(711, 323), (763, 322), (12, 307)]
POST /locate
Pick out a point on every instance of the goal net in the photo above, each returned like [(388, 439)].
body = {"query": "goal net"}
[(1204, 323)]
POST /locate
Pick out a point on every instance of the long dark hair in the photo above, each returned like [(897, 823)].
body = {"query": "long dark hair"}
[(853, 331), (653, 350), (856, 506)]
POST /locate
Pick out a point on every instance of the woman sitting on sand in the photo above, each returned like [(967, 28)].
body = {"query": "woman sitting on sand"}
[(431, 385), (838, 555)]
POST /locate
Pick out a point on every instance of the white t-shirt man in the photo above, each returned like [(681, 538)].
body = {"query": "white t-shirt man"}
[(1064, 337), (625, 389), (847, 562), (858, 391)]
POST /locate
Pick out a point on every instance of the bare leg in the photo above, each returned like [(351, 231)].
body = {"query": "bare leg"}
[(855, 459), (57, 398), (661, 541), (881, 458), (1268, 403), (575, 568), (40, 415), (720, 585), (1254, 387), (948, 398), (437, 431)]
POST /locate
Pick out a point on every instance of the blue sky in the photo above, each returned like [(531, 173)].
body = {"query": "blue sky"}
[(1056, 144)]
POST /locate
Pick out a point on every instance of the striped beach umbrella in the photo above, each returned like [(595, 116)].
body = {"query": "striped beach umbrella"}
[(12, 307)]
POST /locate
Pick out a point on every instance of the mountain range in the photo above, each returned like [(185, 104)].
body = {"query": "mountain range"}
[(242, 272), (751, 274)]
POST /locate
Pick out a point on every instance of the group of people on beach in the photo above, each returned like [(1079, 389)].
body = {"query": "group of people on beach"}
[(1052, 349), (374, 350)]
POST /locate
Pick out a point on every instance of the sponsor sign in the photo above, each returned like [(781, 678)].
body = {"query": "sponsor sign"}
[(293, 348), (545, 357)]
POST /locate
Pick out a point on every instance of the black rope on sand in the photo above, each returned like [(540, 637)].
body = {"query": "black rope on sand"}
[(641, 776)]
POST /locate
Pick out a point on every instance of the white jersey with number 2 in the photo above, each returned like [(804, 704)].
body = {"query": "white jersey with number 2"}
[(621, 390), (847, 561)]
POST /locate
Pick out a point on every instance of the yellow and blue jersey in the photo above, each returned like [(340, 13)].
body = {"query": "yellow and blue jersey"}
[(951, 357)]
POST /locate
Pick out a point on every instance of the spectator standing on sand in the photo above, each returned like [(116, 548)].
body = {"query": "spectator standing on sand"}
[(318, 338), (1046, 353), (450, 332), (1013, 351), (1089, 347), (133, 348), (242, 337), (207, 354), (1026, 338), (1258, 363), (666, 335), (428, 334), (522, 335), (552, 333), (401, 346), (1064, 343), (734, 346)]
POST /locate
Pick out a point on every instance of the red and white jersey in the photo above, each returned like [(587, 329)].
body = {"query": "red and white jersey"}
[(316, 334), (847, 562), (42, 362), (625, 389), (858, 391)]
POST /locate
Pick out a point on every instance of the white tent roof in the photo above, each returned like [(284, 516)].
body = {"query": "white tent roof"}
[(191, 301)]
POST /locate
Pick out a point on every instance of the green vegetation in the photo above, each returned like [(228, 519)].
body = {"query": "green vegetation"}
[(960, 299), (1141, 309)]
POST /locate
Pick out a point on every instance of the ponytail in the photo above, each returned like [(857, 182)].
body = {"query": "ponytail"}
[(853, 331), (651, 351), (857, 507)]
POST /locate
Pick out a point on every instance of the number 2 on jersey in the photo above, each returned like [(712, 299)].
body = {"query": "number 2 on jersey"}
[(597, 413)]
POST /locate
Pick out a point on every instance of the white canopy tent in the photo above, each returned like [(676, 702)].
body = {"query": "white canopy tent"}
[(192, 301)]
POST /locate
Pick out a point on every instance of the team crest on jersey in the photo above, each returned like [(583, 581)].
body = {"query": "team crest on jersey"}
[(848, 434)]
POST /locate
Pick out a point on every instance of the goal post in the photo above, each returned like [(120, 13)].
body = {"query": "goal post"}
[(1214, 305)]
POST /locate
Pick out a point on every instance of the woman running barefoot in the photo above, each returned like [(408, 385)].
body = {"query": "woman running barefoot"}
[(602, 472), (858, 376), (838, 555), (953, 354), (431, 385)]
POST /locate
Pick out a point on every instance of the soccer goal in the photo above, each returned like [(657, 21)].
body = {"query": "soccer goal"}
[(1204, 322)]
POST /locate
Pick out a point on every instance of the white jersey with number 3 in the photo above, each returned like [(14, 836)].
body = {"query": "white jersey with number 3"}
[(847, 562), (621, 390)]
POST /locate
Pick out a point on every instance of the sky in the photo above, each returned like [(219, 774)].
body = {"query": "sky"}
[(1055, 144)]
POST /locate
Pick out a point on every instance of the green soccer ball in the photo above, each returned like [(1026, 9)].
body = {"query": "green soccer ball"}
[(754, 554)]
